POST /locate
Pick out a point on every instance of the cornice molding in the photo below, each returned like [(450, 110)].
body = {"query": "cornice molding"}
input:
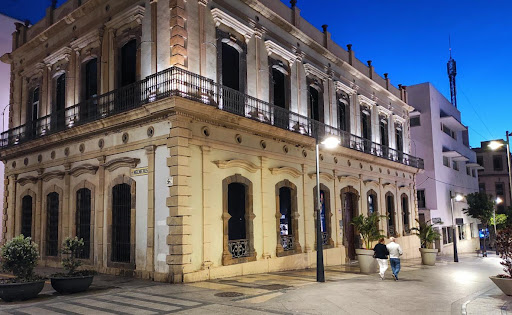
[(323, 175), (26, 180), (58, 55), (86, 40), (246, 165), (312, 70), (273, 48), (399, 119), (36, 69), (52, 175), (366, 100), (135, 13), (383, 110), (292, 171), (121, 162), (342, 87), (348, 177), (221, 17), (83, 169)]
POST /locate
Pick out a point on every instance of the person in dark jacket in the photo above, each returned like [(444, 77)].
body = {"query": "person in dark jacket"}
[(381, 254)]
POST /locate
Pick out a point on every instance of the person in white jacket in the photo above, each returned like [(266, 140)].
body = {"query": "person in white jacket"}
[(395, 251)]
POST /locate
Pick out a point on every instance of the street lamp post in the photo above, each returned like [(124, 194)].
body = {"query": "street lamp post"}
[(454, 227), (329, 142)]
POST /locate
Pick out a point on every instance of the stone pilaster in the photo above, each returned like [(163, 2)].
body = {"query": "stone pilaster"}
[(305, 202), (150, 250), (3, 227), (100, 216), (38, 237), (207, 213), (179, 220), (154, 41), (67, 213), (267, 222), (178, 33)]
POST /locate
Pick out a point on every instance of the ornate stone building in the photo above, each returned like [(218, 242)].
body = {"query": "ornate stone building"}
[(177, 138)]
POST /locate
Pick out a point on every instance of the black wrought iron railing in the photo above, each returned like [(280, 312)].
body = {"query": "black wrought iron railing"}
[(175, 81)]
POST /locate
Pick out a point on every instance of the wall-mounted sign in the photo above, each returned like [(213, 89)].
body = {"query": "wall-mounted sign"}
[(459, 221), (436, 221), (139, 171), (170, 181)]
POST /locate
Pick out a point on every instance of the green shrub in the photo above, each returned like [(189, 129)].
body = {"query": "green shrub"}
[(72, 247), (368, 228), (426, 233), (19, 256)]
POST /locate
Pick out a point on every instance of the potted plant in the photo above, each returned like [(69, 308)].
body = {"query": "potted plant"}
[(504, 247), (368, 228), (74, 280), (19, 256), (427, 235)]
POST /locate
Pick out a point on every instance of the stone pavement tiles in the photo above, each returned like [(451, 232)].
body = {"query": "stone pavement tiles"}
[(447, 288)]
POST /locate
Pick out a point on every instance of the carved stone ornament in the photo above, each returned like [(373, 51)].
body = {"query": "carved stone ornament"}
[(292, 171), (221, 17), (345, 88), (52, 175), (83, 169), (86, 40), (27, 180), (325, 176), (63, 53), (348, 177), (366, 101), (273, 48), (135, 13), (121, 162), (314, 71), (246, 165)]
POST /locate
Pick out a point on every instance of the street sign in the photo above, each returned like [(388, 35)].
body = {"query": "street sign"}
[(170, 181), (139, 171)]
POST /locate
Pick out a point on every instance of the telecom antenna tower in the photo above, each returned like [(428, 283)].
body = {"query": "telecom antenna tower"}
[(452, 72)]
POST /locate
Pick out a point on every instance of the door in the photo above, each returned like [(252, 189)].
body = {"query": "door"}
[(349, 213)]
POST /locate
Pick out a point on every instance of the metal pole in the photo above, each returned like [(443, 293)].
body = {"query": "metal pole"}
[(509, 173), (320, 277), (454, 227)]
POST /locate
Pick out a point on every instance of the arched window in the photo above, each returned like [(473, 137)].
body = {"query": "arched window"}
[(343, 111), (83, 220), (230, 68), (366, 128), (238, 220), (405, 213), (349, 202), (287, 219), (384, 135), (90, 88), (26, 216), (52, 224), (390, 209), (372, 202), (121, 223), (128, 63), (325, 213), (60, 102)]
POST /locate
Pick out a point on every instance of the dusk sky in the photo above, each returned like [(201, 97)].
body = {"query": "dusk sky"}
[(409, 40)]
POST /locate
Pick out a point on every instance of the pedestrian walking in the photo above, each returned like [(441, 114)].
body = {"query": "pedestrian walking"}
[(381, 254), (395, 251)]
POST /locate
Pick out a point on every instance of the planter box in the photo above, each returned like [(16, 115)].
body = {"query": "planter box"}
[(505, 284), (66, 285), (367, 264), (428, 256), (20, 291)]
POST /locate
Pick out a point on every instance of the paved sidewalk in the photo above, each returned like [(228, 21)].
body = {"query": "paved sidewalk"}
[(447, 288)]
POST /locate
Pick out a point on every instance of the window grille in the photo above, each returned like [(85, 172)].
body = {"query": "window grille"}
[(121, 223), (26, 216), (52, 225), (83, 220)]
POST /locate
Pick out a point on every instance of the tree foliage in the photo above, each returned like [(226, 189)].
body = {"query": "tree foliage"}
[(368, 228), (72, 247), (426, 233), (480, 207), (504, 247), (19, 256)]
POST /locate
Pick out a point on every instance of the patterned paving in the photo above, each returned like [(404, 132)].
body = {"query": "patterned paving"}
[(128, 302)]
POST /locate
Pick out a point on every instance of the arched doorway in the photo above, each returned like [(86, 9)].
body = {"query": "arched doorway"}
[(349, 200)]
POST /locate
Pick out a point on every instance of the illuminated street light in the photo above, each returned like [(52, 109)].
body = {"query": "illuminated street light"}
[(459, 197), (329, 142), (494, 145)]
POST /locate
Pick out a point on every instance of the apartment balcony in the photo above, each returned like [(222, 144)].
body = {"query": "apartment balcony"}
[(181, 83)]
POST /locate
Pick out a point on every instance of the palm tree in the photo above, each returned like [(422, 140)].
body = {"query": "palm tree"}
[(426, 233)]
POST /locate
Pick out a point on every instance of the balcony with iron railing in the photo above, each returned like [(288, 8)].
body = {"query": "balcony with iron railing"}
[(175, 81)]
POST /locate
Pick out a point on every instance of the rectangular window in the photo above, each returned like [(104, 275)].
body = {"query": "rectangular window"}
[(480, 160), (415, 121), (472, 230), (497, 163), (499, 189), (449, 132), (449, 232), (468, 171), (473, 172), (462, 232), (421, 199), (445, 238), (455, 165), (446, 161), (481, 187)]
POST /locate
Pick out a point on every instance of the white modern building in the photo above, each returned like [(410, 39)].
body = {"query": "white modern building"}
[(7, 27), (439, 137)]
